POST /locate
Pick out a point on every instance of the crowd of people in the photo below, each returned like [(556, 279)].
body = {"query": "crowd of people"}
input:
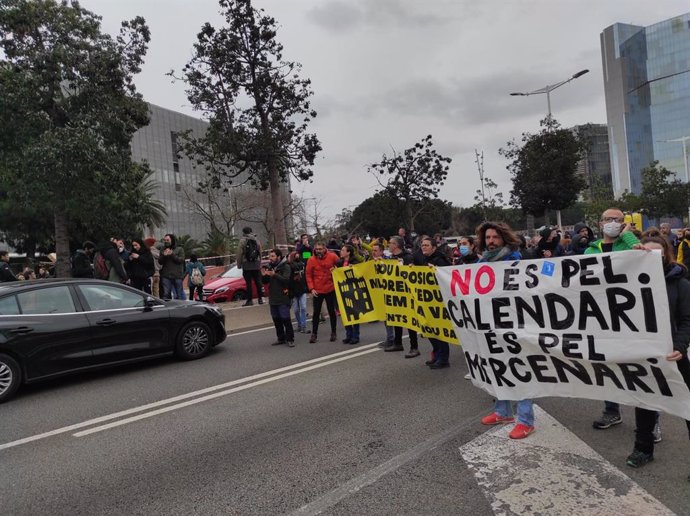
[(160, 267), (309, 269)]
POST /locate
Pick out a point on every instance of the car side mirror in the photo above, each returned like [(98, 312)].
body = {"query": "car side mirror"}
[(149, 303)]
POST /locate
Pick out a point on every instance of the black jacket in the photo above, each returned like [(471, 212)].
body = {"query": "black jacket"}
[(678, 290), (298, 279), (6, 273), (437, 258), (140, 268), (278, 284), (405, 257), (81, 265)]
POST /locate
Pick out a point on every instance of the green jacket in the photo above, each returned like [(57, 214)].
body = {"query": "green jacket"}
[(624, 242), (172, 266)]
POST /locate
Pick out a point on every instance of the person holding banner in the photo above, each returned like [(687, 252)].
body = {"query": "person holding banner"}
[(377, 253), (320, 282), (468, 253), (618, 236), (497, 242), (678, 291), (396, 246), (432, 255), (347, 258)]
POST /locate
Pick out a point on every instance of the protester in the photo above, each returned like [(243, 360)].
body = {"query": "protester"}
[(6, 273), (468, 253), (156, 278), (396, 246), (121, 249), (249, 260), (277, 275), (678, 291), (303, 247), (582, 236), (497, 242), (347, 258), (140, 267), (378, 253), (361, 251), (107, 263), (443, 246), (320, 283), (196, 273), (618, 236), (82, 266), (298, 290), (684, 249), (549, 243), (172, 268), (434, 256), (665, 229)]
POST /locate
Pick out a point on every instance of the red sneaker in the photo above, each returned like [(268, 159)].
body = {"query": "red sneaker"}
[(520, 431), (495, 419)]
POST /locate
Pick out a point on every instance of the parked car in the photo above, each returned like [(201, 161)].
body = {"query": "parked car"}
[(229, 286), (53, 327)]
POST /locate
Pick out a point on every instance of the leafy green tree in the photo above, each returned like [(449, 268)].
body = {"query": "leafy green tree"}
[(380, 215), (257, 105), (662, 193), (489, 200), (412, 177), (189, 245), (68, 111), (544, 169)]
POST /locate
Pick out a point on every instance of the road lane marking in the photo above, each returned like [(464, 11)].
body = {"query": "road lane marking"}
[(552, 472), (255, 330), (215, 395), (358, 483), (141, 408)]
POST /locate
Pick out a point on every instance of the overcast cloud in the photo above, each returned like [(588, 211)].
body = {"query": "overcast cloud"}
[(386, 73)]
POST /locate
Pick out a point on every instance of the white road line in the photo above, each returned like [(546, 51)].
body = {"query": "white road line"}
[(217, 395), (552, 472), (250, 331), (174, 399)]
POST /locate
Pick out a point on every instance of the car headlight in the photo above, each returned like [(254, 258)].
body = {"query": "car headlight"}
[(219, 290)]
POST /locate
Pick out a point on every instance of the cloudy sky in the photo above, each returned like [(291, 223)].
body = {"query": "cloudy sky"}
[(386, 73)]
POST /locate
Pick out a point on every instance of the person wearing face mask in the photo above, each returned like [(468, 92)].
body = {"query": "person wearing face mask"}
[(113, 263), (467, 251), (678, 291), (684, 249), (617, 237)]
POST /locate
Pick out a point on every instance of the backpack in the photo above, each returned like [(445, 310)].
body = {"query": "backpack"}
[(100, 267), (196, 277), (251, 250)]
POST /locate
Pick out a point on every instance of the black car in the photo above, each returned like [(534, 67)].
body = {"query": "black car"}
[(53, 327)]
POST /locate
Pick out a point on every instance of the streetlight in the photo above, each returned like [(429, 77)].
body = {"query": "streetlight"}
[(549, 88)]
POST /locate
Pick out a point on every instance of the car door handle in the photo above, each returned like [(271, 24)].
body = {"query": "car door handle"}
[(21, 330), (106, 322)]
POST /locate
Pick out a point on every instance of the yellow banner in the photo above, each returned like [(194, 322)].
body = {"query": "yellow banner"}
[(400, 295)]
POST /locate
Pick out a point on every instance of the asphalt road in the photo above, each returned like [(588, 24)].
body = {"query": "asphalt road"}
[(319, 428)]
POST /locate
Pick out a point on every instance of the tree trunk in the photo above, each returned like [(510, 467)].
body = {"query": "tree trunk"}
[(277, 207), (62, 268)]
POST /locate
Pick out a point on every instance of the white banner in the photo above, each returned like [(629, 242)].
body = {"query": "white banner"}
[(592, 326)]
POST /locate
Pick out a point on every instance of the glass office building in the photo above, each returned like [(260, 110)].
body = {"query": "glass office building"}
[(177, 179), (647, 89), (595, 164)]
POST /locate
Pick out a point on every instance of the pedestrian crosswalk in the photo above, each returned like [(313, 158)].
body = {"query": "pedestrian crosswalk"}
[(552, 472)]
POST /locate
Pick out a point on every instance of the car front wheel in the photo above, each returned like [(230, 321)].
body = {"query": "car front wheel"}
[(10, 377), (195, 340)]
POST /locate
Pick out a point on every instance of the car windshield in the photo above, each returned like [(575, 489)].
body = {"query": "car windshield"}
[(232, 272)]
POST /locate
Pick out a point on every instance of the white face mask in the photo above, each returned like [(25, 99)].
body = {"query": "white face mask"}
[(612, 229)]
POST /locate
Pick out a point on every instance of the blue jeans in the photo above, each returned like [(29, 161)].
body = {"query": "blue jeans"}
[(352, 332), (173, 286), (612, 408), (299, 306), (441, 350), (525, 411)]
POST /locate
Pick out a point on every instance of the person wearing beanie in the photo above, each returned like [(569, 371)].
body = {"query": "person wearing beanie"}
[(549, 244)]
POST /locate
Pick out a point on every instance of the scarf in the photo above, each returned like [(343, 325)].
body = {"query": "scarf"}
[(496, 255)]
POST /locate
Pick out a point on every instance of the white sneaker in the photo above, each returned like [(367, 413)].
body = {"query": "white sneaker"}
[(468, 376)]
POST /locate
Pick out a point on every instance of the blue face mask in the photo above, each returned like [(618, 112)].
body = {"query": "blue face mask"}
[(464, 250)]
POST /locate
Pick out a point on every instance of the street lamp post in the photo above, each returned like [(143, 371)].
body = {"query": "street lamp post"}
[(548, 89)]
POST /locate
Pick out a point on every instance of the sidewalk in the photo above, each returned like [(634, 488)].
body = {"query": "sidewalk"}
[(240, 318)]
